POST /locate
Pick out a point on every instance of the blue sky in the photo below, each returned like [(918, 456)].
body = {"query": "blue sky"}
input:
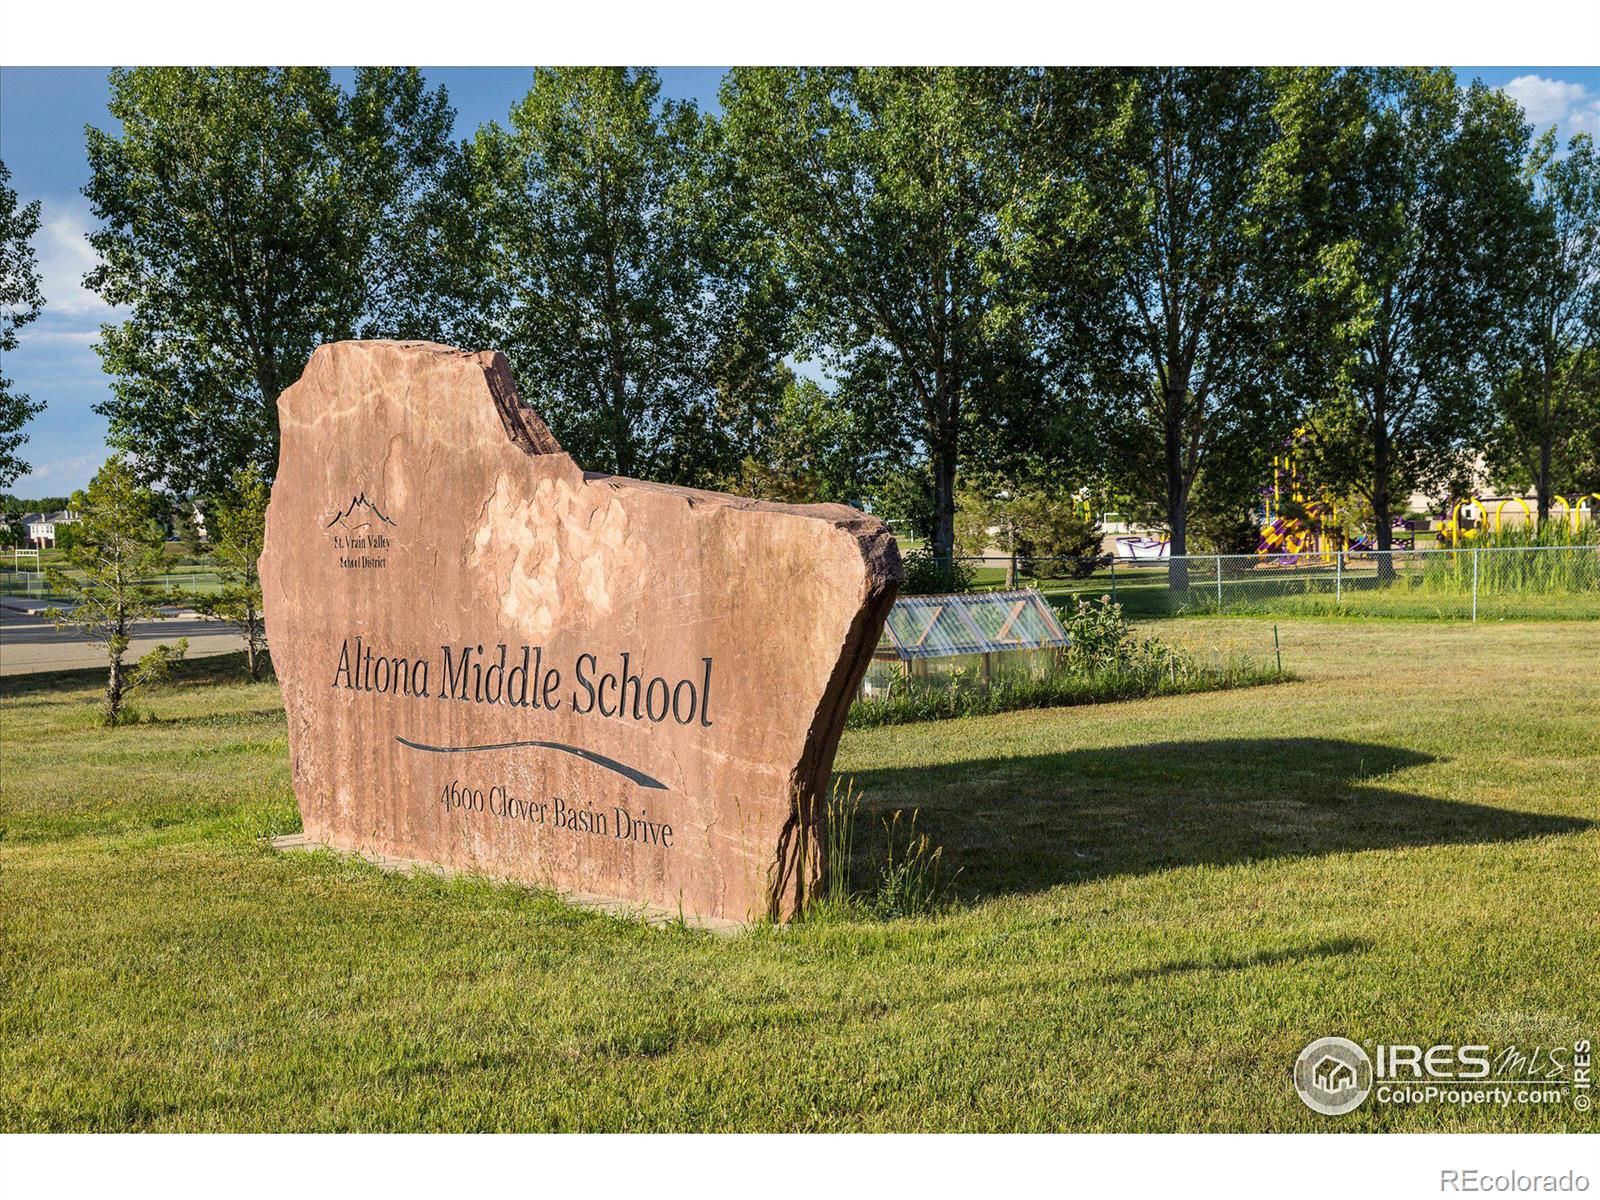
[(42, 114)]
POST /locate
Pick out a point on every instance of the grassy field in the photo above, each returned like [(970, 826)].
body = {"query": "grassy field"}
[(1158, 904), (1312, 591), (178, 579)]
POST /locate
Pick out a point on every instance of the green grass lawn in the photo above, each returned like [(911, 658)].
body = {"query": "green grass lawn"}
[(1310, 591), (1158, 904), (176, 578)]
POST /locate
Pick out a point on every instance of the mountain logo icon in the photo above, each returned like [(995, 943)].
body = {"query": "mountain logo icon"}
[(358, 514)]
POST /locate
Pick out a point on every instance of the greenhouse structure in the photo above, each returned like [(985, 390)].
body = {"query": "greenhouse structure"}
[(975, 638)]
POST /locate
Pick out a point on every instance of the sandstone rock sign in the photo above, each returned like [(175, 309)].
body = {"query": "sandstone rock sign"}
[(495, 661)]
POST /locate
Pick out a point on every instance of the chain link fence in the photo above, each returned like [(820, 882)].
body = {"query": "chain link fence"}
[(1491, 583), (34, 586)]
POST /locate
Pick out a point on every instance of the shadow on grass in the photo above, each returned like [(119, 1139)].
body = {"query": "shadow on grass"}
[(1029, 823), (1329, 948), (208, 670)]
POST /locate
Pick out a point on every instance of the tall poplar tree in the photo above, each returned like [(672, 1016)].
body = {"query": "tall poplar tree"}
[(615, 269), (20, 302), (247, 215), (894, 200), (1192, 292), (1409, 185), (1546, 382)]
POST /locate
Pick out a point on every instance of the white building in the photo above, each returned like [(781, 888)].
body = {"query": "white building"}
[(40, 527)]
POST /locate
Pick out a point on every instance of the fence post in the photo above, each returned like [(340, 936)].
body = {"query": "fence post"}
[(1338, 578), (1219, 582), (1475, 583)]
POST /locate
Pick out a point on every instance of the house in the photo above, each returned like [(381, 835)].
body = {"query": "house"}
[(40, 527), (1332, 1075)]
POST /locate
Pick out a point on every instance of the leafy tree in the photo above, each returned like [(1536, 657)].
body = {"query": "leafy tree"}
[(1409, 186), (1225, 502), (814, 449), (1582, 448), (616, 273), (1195, 290), (1043, 524), (892, 199), (1545, 386), (42, 504), (241, 526), (20, 302), (116, 547), (903, 496), (249, 214)]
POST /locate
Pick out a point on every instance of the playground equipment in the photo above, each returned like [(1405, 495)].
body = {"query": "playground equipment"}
[(1138, 549), (1295, 526), (1469, 516)]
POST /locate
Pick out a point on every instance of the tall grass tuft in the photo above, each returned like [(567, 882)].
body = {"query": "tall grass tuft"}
[(909, 881), (1557, 531), (841, 839)]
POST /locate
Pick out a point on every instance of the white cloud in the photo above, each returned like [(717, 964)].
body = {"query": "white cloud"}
[(1570, 107), (64, 256), (64, 471), (70, 337)]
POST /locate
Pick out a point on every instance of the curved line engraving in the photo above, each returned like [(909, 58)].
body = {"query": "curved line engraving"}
[(600, 760)]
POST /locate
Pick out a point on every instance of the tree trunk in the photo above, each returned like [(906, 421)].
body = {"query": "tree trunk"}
[(1177, 498), (267, 381), (944, 503), (621, 437), (251, 662), (1380, 500), (1541, 482), (113, 706), (621, 434)]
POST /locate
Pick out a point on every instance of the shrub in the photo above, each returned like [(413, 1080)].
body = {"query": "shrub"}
[(1051, 536), (1062, 544), (1102, 640), (1099, 633), (930, 576)]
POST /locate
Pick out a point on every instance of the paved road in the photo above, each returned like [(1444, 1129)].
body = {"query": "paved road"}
[(29, 644)]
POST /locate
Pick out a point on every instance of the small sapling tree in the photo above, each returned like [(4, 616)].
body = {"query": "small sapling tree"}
[(116, 548), (241, 520)]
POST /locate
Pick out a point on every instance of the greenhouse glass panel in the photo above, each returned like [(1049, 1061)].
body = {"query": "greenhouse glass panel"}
[(921, 627)]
